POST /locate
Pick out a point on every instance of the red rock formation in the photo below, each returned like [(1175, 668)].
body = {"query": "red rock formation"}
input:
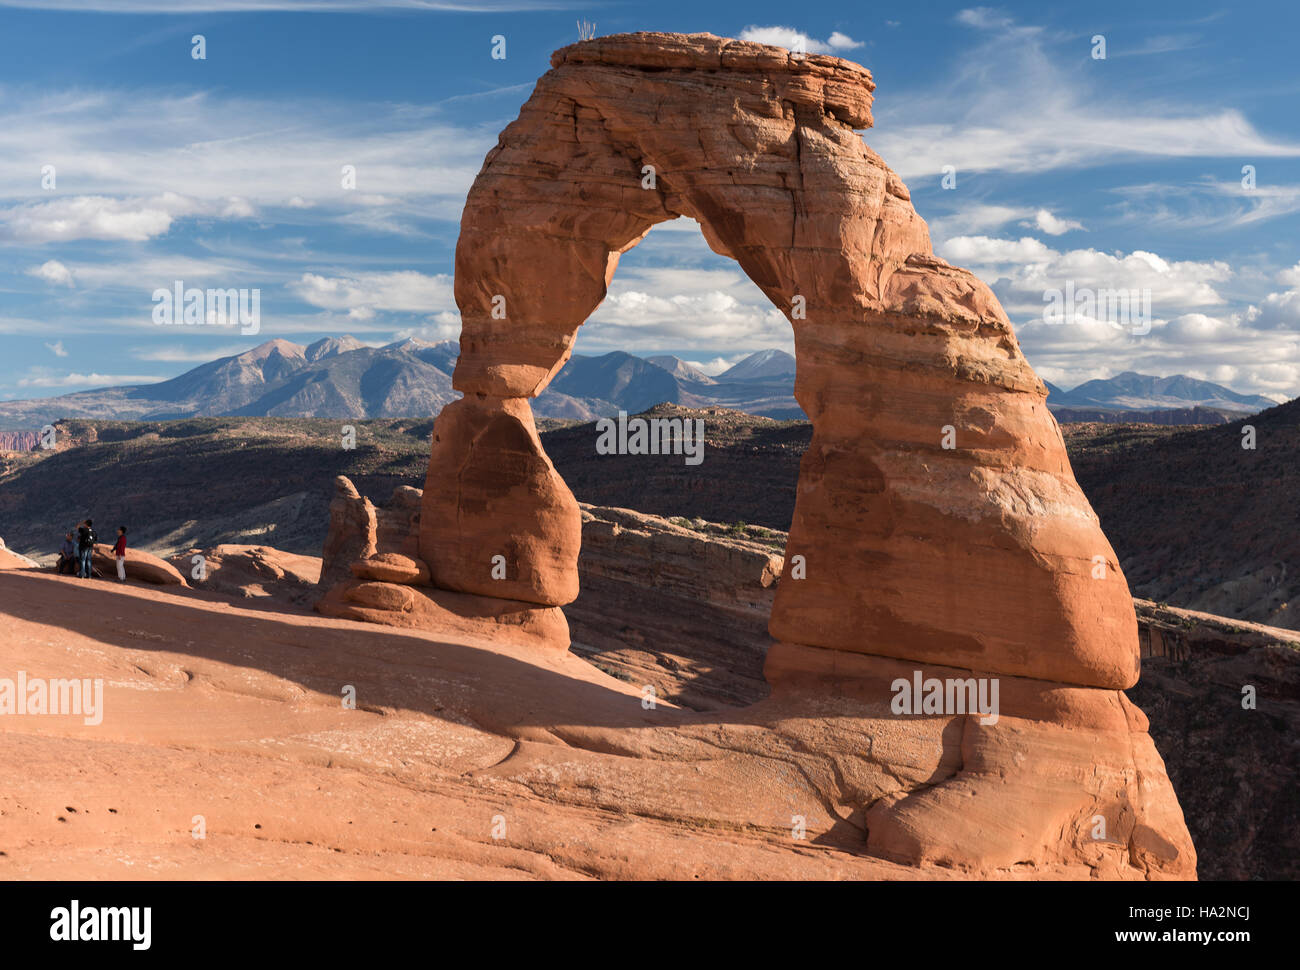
[(251, 571), (18, 440), (143, 566), (938, 525)]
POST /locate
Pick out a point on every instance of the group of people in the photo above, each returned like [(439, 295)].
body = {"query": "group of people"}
[(77, 555)]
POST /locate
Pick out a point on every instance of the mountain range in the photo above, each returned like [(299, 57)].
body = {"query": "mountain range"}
[(340, 377)]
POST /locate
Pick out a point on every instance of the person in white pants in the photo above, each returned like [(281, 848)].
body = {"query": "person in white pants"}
[(119, 553)]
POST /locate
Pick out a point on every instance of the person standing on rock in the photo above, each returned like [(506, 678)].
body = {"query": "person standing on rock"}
[(85, 548), (119, 553)]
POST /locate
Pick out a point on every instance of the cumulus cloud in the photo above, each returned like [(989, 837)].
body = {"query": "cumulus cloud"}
[(716, 365), (1050, 224), (1192, 327), (57, 349), (1277, 311), (52, 271), (797, 40), (1023, 270), (1290, 277)]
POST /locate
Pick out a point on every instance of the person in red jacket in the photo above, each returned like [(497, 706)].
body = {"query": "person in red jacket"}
[(119, 552)]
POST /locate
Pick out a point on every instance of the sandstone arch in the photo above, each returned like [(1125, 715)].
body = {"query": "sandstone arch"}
[(982, 555), (980, 560)]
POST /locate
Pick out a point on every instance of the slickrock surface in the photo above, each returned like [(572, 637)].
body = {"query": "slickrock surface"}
[(235, 714), (252, 571), (12, 560), (143, 566), (937, 525)]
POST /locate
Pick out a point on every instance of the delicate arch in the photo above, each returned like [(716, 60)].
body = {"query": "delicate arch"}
[(979, 556)]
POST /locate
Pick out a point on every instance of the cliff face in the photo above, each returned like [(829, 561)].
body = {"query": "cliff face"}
[(18, 440), (679, 608)]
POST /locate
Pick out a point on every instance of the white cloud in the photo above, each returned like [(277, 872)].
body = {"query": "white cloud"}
[(716, 365), (1022, 270), (985, 18), (1290, 277), (797, 40), (1277, 311), (1206, 204), (1192, 331), (57, 349), (410, 162), (977, 218), (1050, 224), (85, 380), (52, 271), (1011, 105), (362, 294), (102, 217), (180, 355)]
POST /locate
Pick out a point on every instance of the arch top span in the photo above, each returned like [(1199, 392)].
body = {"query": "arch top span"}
[(754, 143)]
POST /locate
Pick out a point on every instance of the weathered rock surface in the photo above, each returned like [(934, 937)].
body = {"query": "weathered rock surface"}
[(937, 524), (498, 520), (373, 572), (140, 565), (12, 560), (351, 535), (18, 440), (251, 571), (237, 708)]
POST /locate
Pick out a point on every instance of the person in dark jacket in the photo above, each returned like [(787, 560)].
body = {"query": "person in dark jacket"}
[(85, 548)]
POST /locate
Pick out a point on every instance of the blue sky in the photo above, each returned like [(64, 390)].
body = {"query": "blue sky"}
[(1123, 172)]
